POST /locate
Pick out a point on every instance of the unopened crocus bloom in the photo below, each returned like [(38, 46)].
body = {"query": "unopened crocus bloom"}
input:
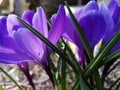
[(18, 44), (96, 22)]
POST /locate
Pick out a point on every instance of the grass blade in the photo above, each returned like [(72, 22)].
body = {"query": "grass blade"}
[(11, 78)]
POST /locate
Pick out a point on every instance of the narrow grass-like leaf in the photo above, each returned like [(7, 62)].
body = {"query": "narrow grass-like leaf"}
[(110, 57), (118, 86), (114, 84), (95, 62), (47, 42), (81, 34), (76, 86), (98, 80), (63, 72), (83, 84), (58, 69), (103, 78), (10, 78)]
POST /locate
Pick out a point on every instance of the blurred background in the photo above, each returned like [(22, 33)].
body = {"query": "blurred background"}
[(50, 6)]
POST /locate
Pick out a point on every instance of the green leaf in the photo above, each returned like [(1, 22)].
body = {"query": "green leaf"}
[(113, 84), (83, 84), (110, 57), (63, 72), (81, 34), (111, 69), (76, 86), (98, 59)]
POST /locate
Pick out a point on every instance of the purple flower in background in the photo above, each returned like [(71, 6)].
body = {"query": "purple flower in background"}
[(112, 17), (18, 44), (92, 23), (96, 22)]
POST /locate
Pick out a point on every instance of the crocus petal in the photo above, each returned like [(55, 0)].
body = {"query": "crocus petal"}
[(110, 30), (3, 26), (27, 16), (92, 5), (40, 22), (57, 26), (8, 42), (10, 57), (78, 13), (115, 10), (93, 26), (69, 29), (29, 43), (13, 23)]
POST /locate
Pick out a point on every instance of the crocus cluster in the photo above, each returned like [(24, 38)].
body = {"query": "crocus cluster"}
[(97, 23), (19, 46)]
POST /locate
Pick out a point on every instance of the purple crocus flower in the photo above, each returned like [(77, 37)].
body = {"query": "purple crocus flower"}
[(96, 22), (92, 23), (19, 45), (112, 18)]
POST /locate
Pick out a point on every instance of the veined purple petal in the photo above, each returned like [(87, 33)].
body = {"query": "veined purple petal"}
[(13, 23), (3, 26), (115, 10), (40, 22), (110, 30), (29, 43), (8, 42), (78, 13), (93, 26), (11, 57), (92, 5), (69, 28), (28, 16), (57, 26)]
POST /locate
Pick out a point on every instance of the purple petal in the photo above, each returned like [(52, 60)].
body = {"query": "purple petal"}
[(29, 43), (40, 22), (115, 10), (9, 56), (3, 26), (57, 26), (13, 23), (110, 30), (8, 42), (78, 13), (93, 26), (69, 28), (92, 5), (27, 16)]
